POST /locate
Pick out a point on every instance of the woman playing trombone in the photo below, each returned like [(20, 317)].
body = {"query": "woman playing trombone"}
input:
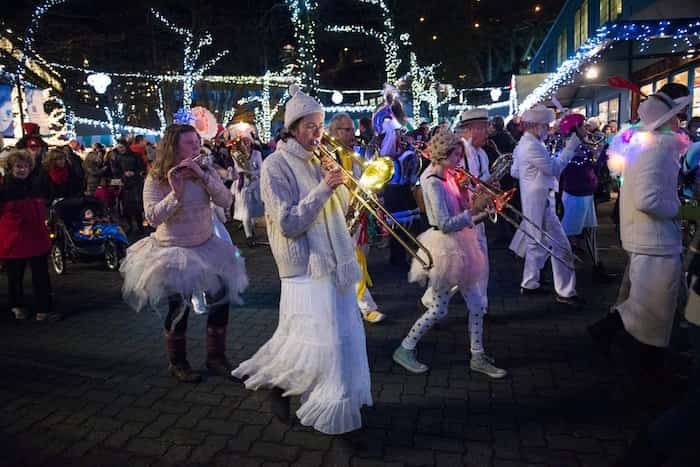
[(318, 350)]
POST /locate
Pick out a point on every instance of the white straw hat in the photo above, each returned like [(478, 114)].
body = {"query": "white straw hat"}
[(659, 108)]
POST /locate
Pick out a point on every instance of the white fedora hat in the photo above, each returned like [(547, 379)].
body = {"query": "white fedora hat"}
[(473, 115), (659, 108)]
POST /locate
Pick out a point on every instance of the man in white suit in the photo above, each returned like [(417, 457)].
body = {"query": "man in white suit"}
[(473, 130), (539, 174)]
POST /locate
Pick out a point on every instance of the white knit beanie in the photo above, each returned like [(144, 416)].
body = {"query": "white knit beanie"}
[(300, 105)]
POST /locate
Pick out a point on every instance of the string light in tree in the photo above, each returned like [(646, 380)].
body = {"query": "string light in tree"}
[(110, 124), (31, 30), (423, 88), (115, 126), (605, 36), (275, 79), (303, 13), (161, 110), (265, 112), (193, 49)]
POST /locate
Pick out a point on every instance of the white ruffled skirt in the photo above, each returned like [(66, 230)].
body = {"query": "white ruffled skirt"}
[(457, 259), (318, 352), (153, 273)]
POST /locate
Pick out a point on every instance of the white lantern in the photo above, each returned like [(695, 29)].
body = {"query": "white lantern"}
[(337, 97), (99, 81)]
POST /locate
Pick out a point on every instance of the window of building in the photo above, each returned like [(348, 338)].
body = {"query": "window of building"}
[(610, 10), (681, 78), (647, 89), (660, 83), (579, 110), (581, 25), (561, 48), (609, 110), (696, 93)]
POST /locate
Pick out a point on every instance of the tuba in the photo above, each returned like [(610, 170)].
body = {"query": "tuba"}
[(240, 153), (501, 166), (375, 174)]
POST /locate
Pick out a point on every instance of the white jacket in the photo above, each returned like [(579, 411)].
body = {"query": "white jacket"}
[(649, 194), (538, 172)]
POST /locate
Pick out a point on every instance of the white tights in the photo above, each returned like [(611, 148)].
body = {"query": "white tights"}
[(437, 302)]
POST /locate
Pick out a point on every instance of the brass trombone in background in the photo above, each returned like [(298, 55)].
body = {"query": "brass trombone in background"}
[(500, 204), (375, 174)]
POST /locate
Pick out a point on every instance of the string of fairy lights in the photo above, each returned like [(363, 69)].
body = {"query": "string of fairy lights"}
[(191, 72), (679, 31), (304, 19), (303, 15), (424, 85)]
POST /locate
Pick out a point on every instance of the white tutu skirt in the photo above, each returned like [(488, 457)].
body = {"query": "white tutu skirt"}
[(457, 259), (153, 273), (318, 352)]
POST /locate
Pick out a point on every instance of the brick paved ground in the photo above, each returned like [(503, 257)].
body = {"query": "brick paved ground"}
[(93, 390)]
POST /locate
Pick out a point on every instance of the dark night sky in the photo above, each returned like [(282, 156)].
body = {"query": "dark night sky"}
[(120, 36)]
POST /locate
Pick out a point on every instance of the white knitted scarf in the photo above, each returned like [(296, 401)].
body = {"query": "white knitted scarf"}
[(331, 250)]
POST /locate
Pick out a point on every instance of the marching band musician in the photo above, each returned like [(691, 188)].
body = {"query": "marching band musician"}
[(398, 199), (473, 132), (318, 349), (248, 204), (538, 173), (342, 128), (458, 258)]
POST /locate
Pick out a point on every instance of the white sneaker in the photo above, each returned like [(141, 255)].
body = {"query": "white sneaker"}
[(20, 313), (481, 364)]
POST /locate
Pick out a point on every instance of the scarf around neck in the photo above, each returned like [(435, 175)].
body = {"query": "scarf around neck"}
[(331, 250), (58, 175)]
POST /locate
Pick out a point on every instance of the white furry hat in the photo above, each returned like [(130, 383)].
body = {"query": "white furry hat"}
[(299, 106), (538, 114)]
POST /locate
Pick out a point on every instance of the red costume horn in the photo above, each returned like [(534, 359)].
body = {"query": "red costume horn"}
[(622, 83)]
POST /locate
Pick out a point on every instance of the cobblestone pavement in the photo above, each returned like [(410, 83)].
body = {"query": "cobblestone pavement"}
[(93, 389)]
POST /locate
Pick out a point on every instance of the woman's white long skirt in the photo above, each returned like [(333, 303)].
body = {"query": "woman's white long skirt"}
[(318, 352)]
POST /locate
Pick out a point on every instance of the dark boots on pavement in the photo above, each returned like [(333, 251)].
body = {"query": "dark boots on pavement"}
[(216, 351), (180, 368)]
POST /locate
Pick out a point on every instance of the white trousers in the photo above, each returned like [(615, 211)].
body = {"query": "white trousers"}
[(648, 311), (536, 257)]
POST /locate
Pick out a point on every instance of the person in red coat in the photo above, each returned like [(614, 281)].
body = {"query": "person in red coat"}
[(24, 238)]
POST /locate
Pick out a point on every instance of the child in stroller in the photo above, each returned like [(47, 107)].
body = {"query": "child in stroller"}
[(95, 227), (81, 231)]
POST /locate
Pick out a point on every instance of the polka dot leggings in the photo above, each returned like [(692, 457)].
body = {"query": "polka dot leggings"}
[(437, 301)]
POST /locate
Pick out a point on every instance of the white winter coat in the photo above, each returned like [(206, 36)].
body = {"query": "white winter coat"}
[(649, 194)]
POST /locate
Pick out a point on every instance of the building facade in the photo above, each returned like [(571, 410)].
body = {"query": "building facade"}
[(648, 63)]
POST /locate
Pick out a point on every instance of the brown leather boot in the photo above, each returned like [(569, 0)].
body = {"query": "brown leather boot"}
[(217, 362), (177, 354)]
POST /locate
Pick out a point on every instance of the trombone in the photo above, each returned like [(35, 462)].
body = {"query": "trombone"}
[(499, 201), (375, 174)]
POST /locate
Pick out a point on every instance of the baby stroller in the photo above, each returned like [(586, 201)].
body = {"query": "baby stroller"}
[(81, 231)]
